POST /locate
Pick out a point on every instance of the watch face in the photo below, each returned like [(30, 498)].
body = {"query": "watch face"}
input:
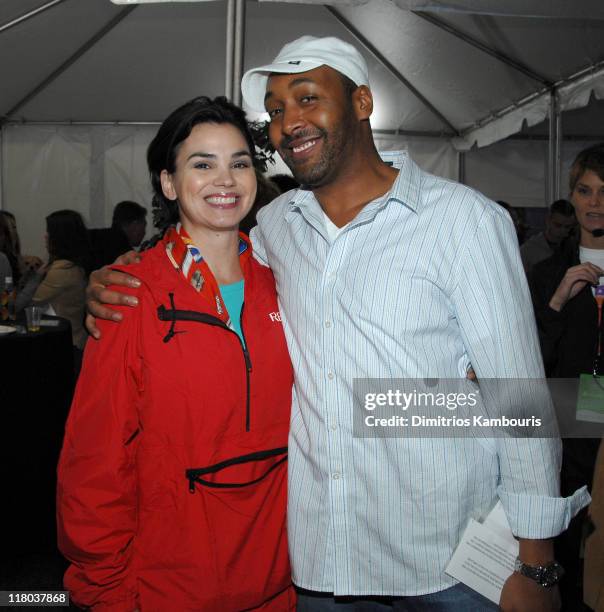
[(546, 576), (551, 575)]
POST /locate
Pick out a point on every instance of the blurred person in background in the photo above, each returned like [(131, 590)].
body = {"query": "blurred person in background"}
[(60, 284), (9, 257), (563, 291), (27, 264), (559, 224), (131, 219), (516, 220), (127, 231)]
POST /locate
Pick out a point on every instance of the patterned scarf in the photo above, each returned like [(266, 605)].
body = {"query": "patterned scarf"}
[(185, 256)]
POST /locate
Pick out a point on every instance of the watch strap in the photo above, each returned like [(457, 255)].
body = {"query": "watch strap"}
[(546, 575)]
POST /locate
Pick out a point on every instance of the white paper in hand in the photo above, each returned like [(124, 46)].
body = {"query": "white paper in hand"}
[(485, 556)]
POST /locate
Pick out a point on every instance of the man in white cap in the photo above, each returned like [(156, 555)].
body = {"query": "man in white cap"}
[(383, 272)]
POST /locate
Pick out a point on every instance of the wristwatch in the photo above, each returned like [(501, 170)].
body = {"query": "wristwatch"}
[(546, 575)]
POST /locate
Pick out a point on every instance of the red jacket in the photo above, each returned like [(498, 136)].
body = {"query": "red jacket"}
[(172, 477)]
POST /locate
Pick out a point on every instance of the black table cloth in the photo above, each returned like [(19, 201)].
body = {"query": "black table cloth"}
[(36, 386)]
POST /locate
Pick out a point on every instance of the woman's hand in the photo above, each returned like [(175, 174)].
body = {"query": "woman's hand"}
[(97, 294), (574, 280)]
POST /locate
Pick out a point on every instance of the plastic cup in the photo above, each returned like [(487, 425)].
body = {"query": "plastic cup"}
[(33, 314)]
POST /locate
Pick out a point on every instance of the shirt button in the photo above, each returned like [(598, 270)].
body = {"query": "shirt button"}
[(327, 323), (330, 375), (336, 475), (333, 426)]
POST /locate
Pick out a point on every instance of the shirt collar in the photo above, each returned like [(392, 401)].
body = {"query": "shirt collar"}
[(405, 189)]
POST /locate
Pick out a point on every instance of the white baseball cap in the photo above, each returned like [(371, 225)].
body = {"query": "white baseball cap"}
[(305, 53)]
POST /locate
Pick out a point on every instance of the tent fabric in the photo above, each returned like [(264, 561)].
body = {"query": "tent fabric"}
[(118, 78), (532, 113), (513, 171), (161, 54), (508, 8), (91, 168), (570, 96), (436, 156), (83, 168), (577, 95)]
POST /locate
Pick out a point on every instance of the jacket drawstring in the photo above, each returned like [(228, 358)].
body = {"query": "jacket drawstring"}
[(171, 332)]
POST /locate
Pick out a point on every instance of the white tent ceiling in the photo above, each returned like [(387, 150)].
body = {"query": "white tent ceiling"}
[(475, 68), (157, 55)]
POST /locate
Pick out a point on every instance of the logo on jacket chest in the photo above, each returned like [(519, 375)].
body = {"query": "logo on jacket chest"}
[(274, 316)]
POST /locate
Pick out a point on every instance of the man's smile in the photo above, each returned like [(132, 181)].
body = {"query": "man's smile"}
[(304, 147), (300, 149)]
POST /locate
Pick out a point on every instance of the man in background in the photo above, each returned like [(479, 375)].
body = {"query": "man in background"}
[(559, 223), (127, 231)]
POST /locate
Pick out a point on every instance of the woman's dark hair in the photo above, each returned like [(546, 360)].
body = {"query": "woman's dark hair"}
[(12, 222), (592, 159), (68, 238), (162, 152), (8, 246)]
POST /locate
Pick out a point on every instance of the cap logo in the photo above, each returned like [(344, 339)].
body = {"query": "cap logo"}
[(297, 62)]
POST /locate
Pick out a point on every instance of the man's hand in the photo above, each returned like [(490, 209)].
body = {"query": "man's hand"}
[(97, 293), (521, 594)]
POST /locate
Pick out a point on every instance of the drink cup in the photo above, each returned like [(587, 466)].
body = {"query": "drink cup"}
[(33, 314)]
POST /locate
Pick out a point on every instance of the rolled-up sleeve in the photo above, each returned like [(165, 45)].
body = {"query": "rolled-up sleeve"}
[(495, 314)]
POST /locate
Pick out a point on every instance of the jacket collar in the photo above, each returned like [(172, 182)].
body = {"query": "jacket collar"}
[(185, 257)]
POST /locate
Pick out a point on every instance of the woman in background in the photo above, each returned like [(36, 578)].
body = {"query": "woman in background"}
[(563, 289), (27, 264), (61, 283), (9, 256)]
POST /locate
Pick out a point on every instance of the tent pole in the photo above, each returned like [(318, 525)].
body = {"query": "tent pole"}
[(239, 50), (380, 57), (29, 15), (553, 187), (1, 167), (71, 60), (558, 160), (230, 49), (461, 167)]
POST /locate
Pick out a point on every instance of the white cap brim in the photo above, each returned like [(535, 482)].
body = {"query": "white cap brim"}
[(253, 83)]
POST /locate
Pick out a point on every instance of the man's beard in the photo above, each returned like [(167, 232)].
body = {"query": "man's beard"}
[(320, 172)]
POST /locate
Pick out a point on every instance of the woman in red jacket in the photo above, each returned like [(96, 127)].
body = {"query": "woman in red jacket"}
[(172, 477)]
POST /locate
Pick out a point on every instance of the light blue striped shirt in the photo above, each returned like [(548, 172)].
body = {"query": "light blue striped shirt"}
[(418, 283)]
